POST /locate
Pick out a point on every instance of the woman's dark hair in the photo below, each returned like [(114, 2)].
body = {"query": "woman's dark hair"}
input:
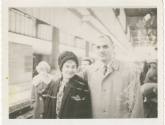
[(65, 56)]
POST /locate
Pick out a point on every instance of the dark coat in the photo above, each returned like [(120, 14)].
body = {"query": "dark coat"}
[(75, 103)]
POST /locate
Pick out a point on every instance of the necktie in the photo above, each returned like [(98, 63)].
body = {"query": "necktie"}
[(105, 69)]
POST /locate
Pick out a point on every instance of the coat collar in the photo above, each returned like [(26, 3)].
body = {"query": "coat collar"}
[(114, 64)]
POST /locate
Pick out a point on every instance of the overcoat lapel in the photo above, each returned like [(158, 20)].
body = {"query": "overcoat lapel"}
[(66, 93), (99, 72), (109, 73), (114, 67)]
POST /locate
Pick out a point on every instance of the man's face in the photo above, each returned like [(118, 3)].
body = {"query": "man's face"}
[(104, 50)]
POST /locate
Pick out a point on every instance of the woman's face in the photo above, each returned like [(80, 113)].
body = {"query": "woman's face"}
[(69, 69)]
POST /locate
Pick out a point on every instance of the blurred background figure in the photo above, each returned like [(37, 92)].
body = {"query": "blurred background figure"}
[(149, 89), (85, 63), (40, 83)]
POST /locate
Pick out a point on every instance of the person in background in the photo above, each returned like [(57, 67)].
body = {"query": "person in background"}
[(69, 96), (144, 72), (85, 63), (114, 85), (149, 90), (39, 84)]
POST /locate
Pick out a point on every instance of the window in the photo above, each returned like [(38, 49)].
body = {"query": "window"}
[(21, 23)]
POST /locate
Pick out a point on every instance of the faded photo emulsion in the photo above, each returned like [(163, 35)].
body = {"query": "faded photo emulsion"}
[(82, 63)]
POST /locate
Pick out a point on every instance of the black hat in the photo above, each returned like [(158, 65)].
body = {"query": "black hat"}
[(65, 56)]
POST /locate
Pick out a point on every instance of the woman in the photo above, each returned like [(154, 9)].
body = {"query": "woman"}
[(67, 97), (39, 84)]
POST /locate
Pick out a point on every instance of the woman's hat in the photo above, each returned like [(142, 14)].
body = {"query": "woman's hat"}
[(65, 56)]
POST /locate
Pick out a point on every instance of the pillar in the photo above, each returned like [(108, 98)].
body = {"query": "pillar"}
[(55, 47)]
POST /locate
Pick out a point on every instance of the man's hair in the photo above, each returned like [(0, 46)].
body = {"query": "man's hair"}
[(107, 38)]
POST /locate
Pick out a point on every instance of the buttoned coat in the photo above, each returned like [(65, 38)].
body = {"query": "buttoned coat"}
[(116, 94)]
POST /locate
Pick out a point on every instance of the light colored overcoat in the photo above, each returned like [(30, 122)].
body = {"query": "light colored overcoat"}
[(116, 94)]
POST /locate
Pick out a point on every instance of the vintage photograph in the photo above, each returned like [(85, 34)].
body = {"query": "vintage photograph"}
[(82, 63)]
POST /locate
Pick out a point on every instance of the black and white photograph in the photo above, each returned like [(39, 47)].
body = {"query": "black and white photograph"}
[(83, 63)]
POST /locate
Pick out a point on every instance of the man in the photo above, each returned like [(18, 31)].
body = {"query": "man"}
[(114, 86), (85, 63)]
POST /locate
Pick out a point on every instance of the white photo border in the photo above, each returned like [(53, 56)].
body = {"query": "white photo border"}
[(82, 3)]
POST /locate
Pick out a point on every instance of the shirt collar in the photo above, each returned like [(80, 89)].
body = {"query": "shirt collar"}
[(114, 64)]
